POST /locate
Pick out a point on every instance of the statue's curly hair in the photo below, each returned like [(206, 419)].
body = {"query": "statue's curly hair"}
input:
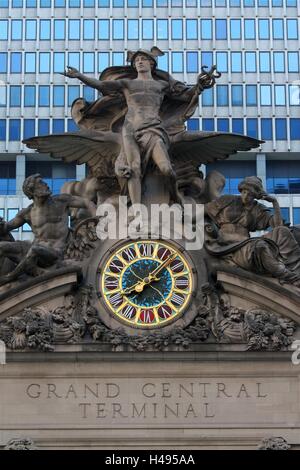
[(28, 185)]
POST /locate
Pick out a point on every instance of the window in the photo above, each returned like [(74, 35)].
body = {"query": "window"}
[(88, 62), (221, 29), (132, 29), (266, 129), (74, 59), (59, 29), (162, 29), (265, 95), (206, 29), (15, 96), (30, 30), (59, 3), (17, 3), (220, 3), (118, 58), (176, 3), (280, 129), (249, 27), (251, 95), (3, 3), (59, 62), (88, 93), (263, 3), (263, 29), (222, 95), (277, 3), (223, 125), (103, 29), (15, 129), (103, 61), (236, 61), (193, 125), (250, 59), (191, 29), (29, 128), (294, 95), (16, 62), (133, 3), (43, 126), (3, 62), (89, 29), (58, 126), (206, 59), (208, 124), (279, 95), (278, 58), (30, 62), (296, 216), (292, 29), (147, 29), (192, 62), (283, 179), (252, 128), (205, 3), (58, 95), (237, 95), (16, 30), (291, 3), (3, 30), (72, 126), (235, 3), (208, 97), (163, 62), (44, 64), (44, 95), (45, 30), (295, 128), (74, 3), (264, 62), (45, 3), (2, 130), (74, 29), (235, 29), (73, 93), (278, 29), (29, 95), (177, 62), (88, 3), (177, 29), (118, 29), (2, 96), (293, 62), (222, 62)]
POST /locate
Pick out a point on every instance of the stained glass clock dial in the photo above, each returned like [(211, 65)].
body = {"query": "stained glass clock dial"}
[(146, 283)]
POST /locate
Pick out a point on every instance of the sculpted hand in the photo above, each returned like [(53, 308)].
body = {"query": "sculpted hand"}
[(71, 72), (268, 198)]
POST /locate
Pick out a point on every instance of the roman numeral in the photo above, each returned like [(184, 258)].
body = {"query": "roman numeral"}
[(178, 266), (177, 299), (111, 283), (146, 249), (128, 311), (116, 299), (182, 282), (129, 254), (114, 267)]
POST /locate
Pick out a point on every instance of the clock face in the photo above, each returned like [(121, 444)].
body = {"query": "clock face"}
[(146, 283)]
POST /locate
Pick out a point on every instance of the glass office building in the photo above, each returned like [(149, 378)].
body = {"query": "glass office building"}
[(254, 43)]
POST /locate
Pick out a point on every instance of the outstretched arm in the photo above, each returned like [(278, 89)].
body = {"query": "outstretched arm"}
[(107, 86), (16, 222), (82, 203)]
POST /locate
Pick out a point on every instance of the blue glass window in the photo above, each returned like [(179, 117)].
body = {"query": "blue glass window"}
[(250, 60), (74, 29), (16, 62), (252, 127), (235, 29), (3, 3), (43, 127), (88, 3), (278, 61), (3, 30), (278, 29), (296, 215), (177, 29), (132, 29), (59, 29), (264, 62), (59, 3), (3, 62), (58, 95), (266, 129), (72, 126), (208, 124), (44, 95), (88, 62), (220, 3), (16, 30), (222, 62), (206, 3), (45, 30), (74, 3), (193, 125), (89, 29), (265, 95), (191, 29), (236, 61), (132, 3), (222, 95), (206, 29), (291, 3), (237, 95), (177, 62), (147, 29), (280, 129), (249, 26), (263, 29), (59, 62), (15, 129), (118, 58), (17, 3), (163, 62), (30, 62), (292, 29), (280, 95), (45, 3), (206, 59), (58, 126), (2, 130), (89, 93), (103, 61), (251, 95), (73, 93), (44, 64), (30, 30), (29, 128), (74, 59), (162, 29), (221, 29), (192, 62), (277, 3), (263, 3), (118, 3), (29, 95), (223, 125), (293, 62), (295, 128), (208, 97), (118, 29), (294, 95), (2, 96)]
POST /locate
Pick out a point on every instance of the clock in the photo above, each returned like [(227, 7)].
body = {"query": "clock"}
[(146, 283)]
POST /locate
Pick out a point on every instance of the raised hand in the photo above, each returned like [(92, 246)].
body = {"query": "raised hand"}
[(71, 72)]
